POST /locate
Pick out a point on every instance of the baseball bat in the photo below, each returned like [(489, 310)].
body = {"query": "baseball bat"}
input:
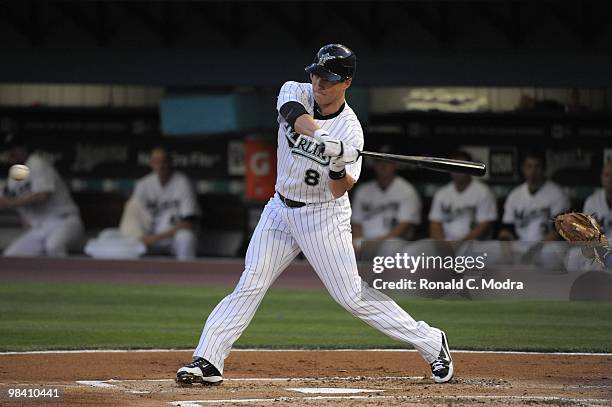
[(432, 163)]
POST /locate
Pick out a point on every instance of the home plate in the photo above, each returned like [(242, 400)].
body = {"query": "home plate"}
[(331, 390)]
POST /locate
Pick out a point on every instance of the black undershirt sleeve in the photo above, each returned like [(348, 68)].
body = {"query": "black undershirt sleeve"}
[(291, 111)]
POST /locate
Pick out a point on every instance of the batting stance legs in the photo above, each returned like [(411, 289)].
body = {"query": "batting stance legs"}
[(322, 232)]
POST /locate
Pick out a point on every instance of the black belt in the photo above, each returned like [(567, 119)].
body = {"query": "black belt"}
[(290, 203)]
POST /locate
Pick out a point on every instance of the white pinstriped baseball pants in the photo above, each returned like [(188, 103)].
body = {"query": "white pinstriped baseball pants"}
[(323, 233)]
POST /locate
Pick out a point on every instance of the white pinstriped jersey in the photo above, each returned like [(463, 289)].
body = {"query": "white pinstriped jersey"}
[(302, 172)]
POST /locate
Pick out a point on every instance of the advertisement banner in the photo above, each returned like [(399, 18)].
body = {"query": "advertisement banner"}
[(260, 158)]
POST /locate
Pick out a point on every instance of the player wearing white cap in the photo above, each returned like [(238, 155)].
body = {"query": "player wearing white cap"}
[(318, 138)]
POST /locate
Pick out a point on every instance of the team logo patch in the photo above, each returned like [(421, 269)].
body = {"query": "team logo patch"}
[(450, 213), (525, 217), (324, 58), (157, 207)]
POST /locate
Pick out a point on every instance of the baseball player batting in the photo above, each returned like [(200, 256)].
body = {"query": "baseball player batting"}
[(319, 136)]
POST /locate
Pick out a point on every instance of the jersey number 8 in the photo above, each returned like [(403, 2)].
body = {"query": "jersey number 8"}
[(312, 178)]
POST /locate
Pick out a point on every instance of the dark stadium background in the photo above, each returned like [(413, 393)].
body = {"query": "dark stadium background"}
[(98, 83)]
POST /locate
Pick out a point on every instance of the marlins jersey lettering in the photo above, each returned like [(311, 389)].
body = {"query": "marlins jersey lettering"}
[(597, 204), (530, 213), (43, 178), (169, 203), (379, 211), (460, 211), (302, 170)]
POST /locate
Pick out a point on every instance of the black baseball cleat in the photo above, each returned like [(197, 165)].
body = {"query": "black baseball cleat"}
[(198, 371), (442, 367)]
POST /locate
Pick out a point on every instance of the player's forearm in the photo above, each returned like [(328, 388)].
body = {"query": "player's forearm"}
[(306, 125), (436, 231), (33, 198), (302, 122), (506, 233), (479, 231), (172, 231), (401, 229), (338, 187)]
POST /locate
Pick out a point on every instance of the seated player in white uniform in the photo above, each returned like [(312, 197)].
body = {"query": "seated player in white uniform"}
[(598, 204), (529, 209), (44, 204), (464, 209), (385, 210), (170, 201)]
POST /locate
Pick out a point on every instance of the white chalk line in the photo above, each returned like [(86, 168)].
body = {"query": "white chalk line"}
[(195, 403), (332, 390), (106, 385), (500, 352), (97, 383), (113, 384)]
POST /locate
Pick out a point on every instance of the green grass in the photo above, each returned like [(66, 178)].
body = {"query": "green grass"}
[(78, 316)]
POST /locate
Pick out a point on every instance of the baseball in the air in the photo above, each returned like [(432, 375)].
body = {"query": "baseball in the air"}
[(19, 172)]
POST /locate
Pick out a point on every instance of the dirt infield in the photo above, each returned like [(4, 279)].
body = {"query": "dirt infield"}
[(342, 378)]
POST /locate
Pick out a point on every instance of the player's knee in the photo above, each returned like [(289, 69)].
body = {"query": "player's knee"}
[(349, 300), (252, 289), (353, 296)]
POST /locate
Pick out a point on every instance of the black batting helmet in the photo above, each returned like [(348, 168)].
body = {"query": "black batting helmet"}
[(334, 62)]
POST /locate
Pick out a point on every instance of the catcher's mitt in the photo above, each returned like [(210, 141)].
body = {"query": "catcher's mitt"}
[(579, 227)]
